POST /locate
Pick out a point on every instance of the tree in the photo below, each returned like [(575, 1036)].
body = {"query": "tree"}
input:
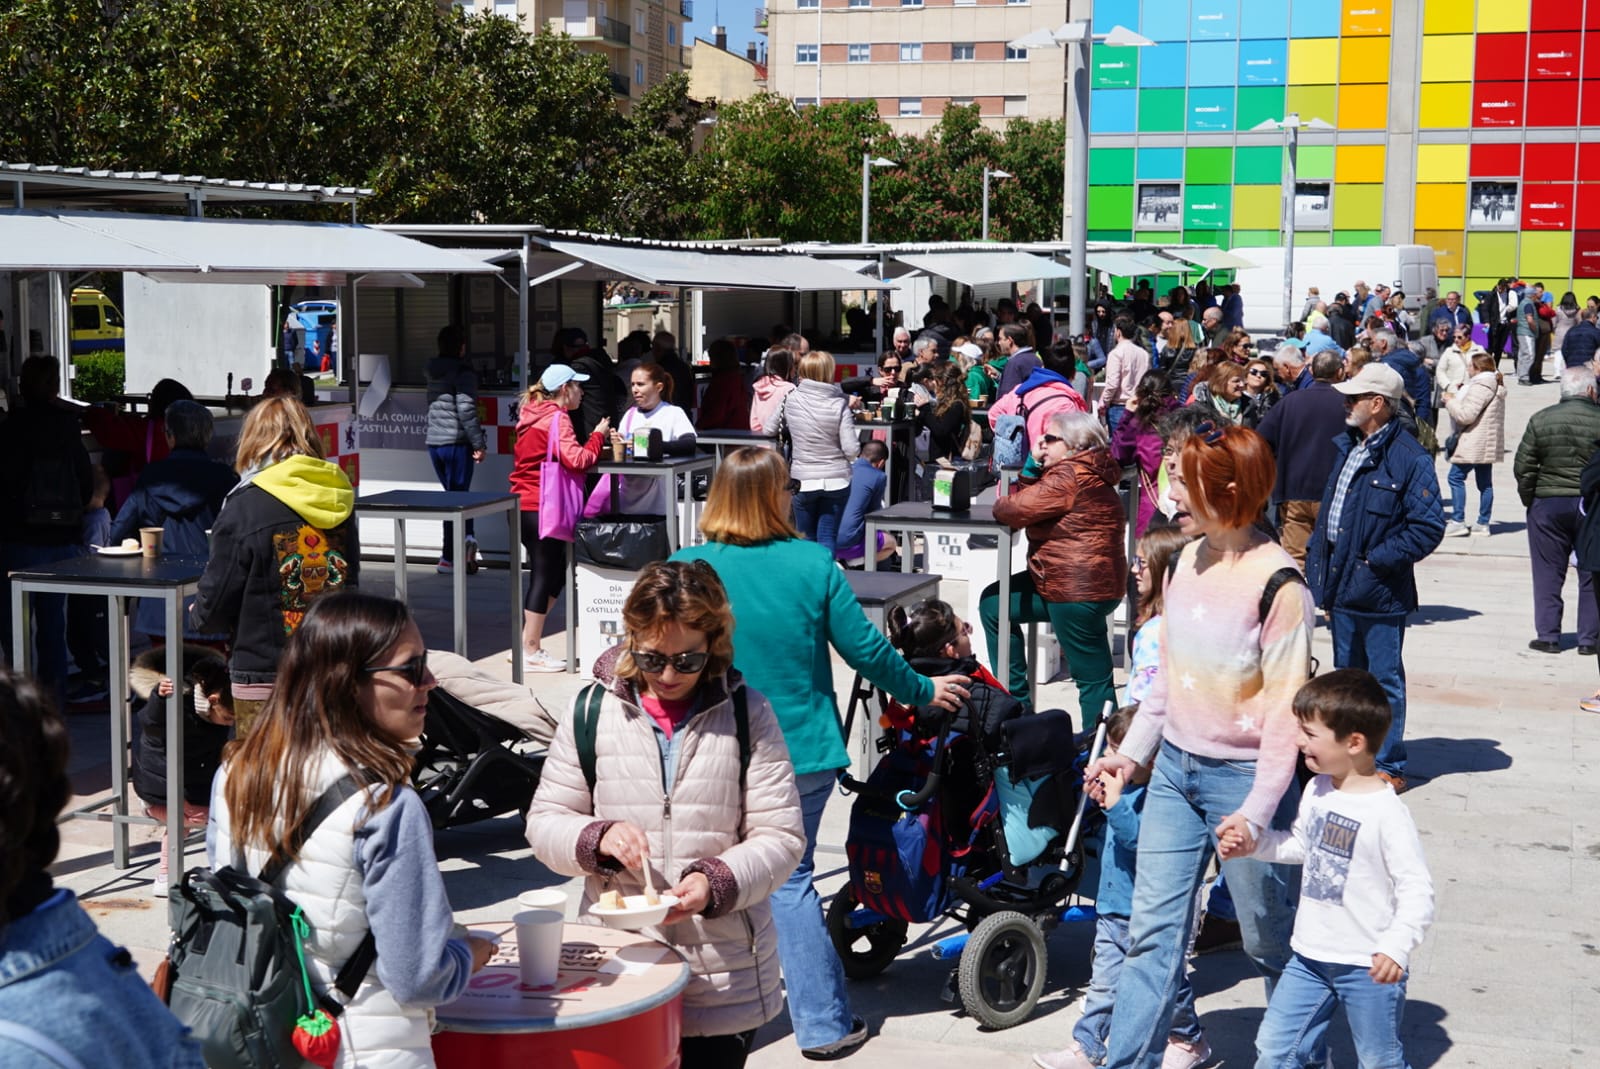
[(659, 180)]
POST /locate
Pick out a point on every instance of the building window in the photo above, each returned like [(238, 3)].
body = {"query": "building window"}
[(1492, 205), (1015, 54), (911, 52), (805, 102), (672, 33), (910, 3), (1160, 206), (1016, 106), (860, 3), (805, 53), (638, 72), (806, 4), (1016, 1), (961, 102), (962, 53), (506, 8), (639, 23), (910, 106), (859, 53), (1312, 207)]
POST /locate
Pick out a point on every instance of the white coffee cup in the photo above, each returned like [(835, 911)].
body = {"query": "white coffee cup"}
[(539, 945), (544, 898)]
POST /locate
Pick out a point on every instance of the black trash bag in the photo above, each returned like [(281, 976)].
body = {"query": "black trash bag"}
[(621, 541)]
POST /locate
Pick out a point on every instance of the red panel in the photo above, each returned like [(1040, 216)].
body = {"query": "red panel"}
[(1554, 55), (1591, 16), (1546, 207), (1502, 57), (1549, 163), (1499, 104), (1589, 163), (1588, 213), (1591, 51), (1586, 254), (1496, 161), (1556, 15), (1589, 109), (1552, 104)]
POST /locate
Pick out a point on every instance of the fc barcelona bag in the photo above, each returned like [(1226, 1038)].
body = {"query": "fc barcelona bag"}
[(898, 859)]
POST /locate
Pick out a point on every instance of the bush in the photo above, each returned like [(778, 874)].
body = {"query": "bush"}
[(98, 376)]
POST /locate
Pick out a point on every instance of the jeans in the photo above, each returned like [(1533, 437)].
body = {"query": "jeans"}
[(1114, 416), (1297, 1018), (453, 465), (813, 976), (1187, 799), (49, 616), (817, 514), (1081, 627), (1110, 951), (1483, 475), (1553, 524), (1375, 643)]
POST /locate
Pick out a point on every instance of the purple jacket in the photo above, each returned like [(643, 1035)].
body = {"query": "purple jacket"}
[(1135, 442)]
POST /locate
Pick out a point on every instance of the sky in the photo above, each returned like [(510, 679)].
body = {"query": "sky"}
[(739, 16)]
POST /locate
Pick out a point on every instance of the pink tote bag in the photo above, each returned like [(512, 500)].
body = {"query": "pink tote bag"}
[(560, 490)]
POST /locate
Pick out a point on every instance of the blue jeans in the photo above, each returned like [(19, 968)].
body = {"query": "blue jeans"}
[(49, 616), (1114, 414), (1188, 797), (1297, 1018), (453, 466), (1374, 643), (813, 976), (1483, 475), (817, 514), (1110, 951)]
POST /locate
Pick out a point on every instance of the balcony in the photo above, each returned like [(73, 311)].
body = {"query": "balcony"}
[(761, 20), (620, 84), (612, 30), (687, 7)]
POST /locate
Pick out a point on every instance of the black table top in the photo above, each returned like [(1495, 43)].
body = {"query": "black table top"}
[(875, 588), (622, 467), (428, 500), (714, 436), (924, 512), (137, 570)]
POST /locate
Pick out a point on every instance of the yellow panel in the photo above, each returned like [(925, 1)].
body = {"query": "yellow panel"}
[(1547, 253), (1447, 16), (1257, 207), (1364, 107), (1449, 246), (1441, 206), (1441, 163), (1358, 163), (1357, 207), (1313, 102), (1367, 18), (1446, 104), (1447, 59), (1364, 59), (1314, 61), (1503, 16)]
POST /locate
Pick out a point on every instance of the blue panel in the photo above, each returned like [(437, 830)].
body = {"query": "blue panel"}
[(1213, 62), (1263, 62), (1314, 18), (1163, 66), (1263, 18), (1210, 110), (1165, 20), (1160, 163), (1109, 13), (1214, 20), (1113, 111)]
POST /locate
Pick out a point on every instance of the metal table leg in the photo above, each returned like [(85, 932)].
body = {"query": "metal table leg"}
[(1002, 656), (175, 827), (674, 532), (514, 570), (117, 694), (400, 560), (572, 610), (459, 583)]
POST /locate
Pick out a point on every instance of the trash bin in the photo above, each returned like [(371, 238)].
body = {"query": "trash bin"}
[(610, 551)]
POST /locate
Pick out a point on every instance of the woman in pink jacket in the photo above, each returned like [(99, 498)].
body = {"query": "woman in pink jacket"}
[(678, 786), (1046, 391)]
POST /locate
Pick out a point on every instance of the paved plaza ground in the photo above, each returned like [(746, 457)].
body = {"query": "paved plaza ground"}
[(1506, 793)]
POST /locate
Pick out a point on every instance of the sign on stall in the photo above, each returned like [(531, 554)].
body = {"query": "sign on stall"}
[(600, 594)]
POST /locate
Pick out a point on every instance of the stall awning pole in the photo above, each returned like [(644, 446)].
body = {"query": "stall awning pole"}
[(524, 296)]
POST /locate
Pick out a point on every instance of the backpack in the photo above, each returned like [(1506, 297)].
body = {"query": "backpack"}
[(586, 728), (1011, 443), (236, 963), (50, 494)]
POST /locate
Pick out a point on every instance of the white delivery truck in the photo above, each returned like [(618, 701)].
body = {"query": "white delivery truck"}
[(1410, 268)]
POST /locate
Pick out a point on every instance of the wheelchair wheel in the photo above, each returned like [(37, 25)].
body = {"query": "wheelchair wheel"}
[(1002, 970), (865, 951)]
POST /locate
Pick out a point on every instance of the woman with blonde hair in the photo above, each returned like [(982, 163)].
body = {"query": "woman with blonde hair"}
[(823, 444), (793, 604), (286, 536)]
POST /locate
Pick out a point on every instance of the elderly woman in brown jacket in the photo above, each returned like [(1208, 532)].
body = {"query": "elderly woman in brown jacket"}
[(1077, 567)]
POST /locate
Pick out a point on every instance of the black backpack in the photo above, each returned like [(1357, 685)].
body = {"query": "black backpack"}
[(50, 495)]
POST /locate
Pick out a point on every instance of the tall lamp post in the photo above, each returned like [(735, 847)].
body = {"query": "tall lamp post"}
[(867, 164), (1290, 125), (988, 173), (1075, 184)]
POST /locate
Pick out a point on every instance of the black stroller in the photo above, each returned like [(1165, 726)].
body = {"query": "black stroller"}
[(472, 765)]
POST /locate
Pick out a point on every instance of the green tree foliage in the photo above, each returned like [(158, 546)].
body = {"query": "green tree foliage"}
[(659, 180)]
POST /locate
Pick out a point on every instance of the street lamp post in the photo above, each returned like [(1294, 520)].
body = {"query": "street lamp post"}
[(1077, 38), (989, 173), (1291, 126), (867, 164)]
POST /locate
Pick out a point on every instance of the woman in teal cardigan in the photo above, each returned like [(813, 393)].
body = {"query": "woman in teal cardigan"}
[(790, 604)]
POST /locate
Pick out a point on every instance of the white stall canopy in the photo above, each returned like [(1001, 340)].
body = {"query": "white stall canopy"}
[(984, 268), (687, 268), (1210, 259)]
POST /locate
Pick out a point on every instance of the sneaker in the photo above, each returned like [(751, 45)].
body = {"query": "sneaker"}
[(1481, 529), (542, 661), (1456, 530), (1182, 1055), (472, 556), (1397, 782), (1590, 704), (1071, 1058), (839, 1048), (444, 567), (1217, 933)]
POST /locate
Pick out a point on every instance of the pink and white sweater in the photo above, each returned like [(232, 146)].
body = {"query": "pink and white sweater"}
[(1227, 681)]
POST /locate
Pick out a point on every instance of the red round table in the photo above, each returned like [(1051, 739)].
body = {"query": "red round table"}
[(617, 1003)]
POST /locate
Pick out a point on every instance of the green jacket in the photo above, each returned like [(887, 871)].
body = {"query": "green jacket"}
[(790, 603), (1557, 443)]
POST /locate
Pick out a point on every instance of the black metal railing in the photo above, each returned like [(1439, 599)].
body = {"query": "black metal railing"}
[(612, 30), (620, 84)]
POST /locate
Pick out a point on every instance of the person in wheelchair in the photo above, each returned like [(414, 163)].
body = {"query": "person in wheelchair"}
[(937, 642)]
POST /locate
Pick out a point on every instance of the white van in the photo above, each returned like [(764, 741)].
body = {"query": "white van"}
[(1410, 268)]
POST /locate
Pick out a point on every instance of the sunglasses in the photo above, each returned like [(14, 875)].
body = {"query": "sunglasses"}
[(1257, 373), (415, 670), (653, 663), (1051, 439)]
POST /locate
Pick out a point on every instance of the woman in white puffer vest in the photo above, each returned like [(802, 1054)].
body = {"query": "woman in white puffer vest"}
[(666, 763), (350, 698)]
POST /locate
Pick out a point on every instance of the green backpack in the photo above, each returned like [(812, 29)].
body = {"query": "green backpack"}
[(586, 727)]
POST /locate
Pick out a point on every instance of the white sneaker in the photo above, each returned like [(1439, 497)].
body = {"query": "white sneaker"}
[(1481, 529), (1181, 1055), (1071, 1058), (541, 661), (1456, 530)]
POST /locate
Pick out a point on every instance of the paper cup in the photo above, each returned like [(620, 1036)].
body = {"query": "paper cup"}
[(545, 898), (617, 448), (539, 946), (150, 541)]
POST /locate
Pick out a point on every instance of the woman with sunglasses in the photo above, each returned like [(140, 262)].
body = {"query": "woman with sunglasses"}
[(794, 608), (716, 819), (1218, 722), (1077, 566), (350, 700), (1260, 392)]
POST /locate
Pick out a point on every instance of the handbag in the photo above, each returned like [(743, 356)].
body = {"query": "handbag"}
[(560, 490)]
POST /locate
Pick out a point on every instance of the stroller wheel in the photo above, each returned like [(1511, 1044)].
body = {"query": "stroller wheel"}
[(864, 949), (1002, 969)]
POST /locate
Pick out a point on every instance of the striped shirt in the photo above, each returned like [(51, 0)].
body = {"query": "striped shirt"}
[(1347, 475)]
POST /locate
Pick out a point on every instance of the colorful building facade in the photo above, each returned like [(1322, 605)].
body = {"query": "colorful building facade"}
[(1470, 127)]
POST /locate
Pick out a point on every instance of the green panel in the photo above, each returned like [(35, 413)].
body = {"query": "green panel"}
[(1110, 207), (1309, 238), (1259, 165), (1256, 103), (1114, 68), (1358, 237), (1257, 239), (1159, 236), (1457, 284), (1489, 251), (1160, 110), (1110, 166), (1205, 237), (1110, 235), (1314, 162), (1208, 166), (1207, 207)]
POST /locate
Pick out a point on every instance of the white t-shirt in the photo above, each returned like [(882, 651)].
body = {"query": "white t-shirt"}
[(1365, 889), (642, 493)]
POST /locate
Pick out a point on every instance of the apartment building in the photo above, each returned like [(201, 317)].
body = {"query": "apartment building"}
[(916, 57), (642, 40)]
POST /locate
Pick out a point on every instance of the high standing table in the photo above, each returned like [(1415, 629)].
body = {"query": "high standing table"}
[(894, 427), (723, 441), (879, 594), (456, 506), (666, 469), (170, 579)]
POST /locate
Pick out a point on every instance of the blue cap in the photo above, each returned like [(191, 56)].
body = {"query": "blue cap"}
[(558, 375)]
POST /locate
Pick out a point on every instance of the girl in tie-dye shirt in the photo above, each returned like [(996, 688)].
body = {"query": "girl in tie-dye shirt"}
[(1156, 551)]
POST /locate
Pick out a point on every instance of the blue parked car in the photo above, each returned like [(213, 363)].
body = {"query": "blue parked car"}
[(317, 318)]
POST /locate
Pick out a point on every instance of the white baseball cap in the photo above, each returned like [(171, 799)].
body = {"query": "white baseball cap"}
[(558, 375), (1374, 378)]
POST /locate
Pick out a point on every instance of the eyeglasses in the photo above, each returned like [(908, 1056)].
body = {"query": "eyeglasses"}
[(1051, 439), (961, 632), (1257, 373), (1139, 565), (415, 670), (653, 663)]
